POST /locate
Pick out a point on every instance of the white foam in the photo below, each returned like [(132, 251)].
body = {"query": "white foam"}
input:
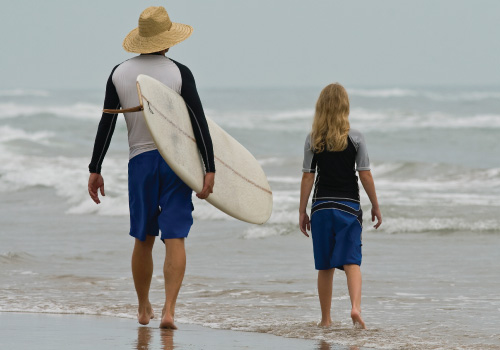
[(441, 120), (28, 273), (382, 169), (421, 184), (463, 96), (432, 95), (68, 176), (361, 118), (8, 133), (398, 184), (383, 93), (300, 114), (110, 206), (409, 294), (391, 120), (264, 231), (289, 120), (24, 92), (297, 120), (277, 161), (285, 179), (418, 225), (12, 257), (78, 110)]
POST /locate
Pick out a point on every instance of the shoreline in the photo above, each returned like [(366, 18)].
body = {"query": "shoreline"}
[(60, 331)]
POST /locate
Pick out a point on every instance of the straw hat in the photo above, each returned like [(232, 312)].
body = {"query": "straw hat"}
[(155, 32)]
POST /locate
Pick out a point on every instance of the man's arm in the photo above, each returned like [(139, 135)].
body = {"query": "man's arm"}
[(198, 120), (102, 140), (106, 126), (200, 128)]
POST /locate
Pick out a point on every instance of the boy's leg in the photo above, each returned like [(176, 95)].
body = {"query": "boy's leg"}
[(142, 271), (353, 273), (173, 270), (325, 281)]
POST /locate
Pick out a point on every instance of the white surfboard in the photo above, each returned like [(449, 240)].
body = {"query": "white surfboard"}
[(241, 187)]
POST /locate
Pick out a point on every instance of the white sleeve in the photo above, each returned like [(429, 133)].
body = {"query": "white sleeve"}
[(362, 159), (309, 163)]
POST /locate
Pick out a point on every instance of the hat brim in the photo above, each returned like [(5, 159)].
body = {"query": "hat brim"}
[(133, 42)]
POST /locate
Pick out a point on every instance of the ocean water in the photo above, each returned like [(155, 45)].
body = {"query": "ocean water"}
[(430, 273)]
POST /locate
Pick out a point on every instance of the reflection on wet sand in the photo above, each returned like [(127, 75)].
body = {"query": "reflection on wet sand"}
[(145, 335), (323, 345), (146, 340), (167, 339), (143, 338)]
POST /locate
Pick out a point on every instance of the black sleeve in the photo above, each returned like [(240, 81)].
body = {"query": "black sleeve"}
[(198, 120), (106, 126)]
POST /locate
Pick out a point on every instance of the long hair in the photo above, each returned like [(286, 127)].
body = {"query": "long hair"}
[(330, 127)]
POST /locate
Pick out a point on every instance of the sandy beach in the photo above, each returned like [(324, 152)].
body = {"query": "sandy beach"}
[(48, 332)]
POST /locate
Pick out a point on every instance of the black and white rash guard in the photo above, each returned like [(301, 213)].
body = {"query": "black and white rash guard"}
[(121, 91), (336, 171)]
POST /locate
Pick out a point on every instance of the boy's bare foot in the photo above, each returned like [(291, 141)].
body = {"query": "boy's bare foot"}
[(167, 321), (357, 320), (145, 314)]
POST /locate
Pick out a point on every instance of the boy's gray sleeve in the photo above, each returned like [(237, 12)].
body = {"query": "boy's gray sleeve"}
[(309, 164), (362, 159)]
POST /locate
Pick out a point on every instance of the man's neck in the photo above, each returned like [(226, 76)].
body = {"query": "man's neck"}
[(160, 53)]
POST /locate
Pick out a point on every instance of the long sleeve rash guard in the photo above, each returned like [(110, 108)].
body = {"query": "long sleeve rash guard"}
[(121, 91)]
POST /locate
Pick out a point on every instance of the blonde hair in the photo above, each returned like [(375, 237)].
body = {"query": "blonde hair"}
[(330, 127)]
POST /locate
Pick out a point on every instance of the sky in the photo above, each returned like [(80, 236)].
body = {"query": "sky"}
[(61, 44)]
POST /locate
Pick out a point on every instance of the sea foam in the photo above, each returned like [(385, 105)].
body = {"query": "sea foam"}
[(78, 110), (448, 96), (24, 92), (8, 133)]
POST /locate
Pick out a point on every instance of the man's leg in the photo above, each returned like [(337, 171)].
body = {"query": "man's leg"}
[(325, 280), (353, 273), (173, 270), (142, 271)]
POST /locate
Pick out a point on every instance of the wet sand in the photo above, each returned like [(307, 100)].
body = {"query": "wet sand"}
[(52, 331)]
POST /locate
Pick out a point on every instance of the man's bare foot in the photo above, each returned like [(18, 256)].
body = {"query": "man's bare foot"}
[(145, 314), (167, 321), (325, 323), (357, 320)]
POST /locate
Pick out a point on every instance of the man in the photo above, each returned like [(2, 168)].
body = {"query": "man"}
[(158, 199)]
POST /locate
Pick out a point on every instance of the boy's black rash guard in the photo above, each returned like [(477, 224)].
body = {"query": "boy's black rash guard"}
[(171, 73), (336, 171)]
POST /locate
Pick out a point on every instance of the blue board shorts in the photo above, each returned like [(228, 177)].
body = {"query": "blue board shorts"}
[(336, 228), (158, 199)]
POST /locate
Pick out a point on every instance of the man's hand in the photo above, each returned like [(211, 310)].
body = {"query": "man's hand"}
[(208, 186), (377, 214), (304, 223), (96, 182)]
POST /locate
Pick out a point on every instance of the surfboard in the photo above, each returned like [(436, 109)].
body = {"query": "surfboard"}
[(241, 188)]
